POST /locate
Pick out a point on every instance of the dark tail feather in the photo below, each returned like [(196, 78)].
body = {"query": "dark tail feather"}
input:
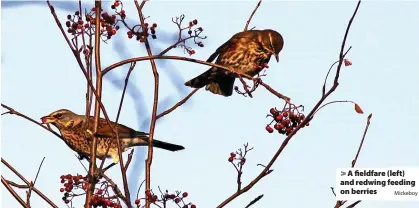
[(202, 79), (223, 86), (167, 146)]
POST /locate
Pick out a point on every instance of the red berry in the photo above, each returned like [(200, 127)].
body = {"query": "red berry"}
[(67, 201), (195, 21), (190, 24), (230, 159), (232, 154), (62, 177), (285, 114), (122, 11), (185, 194), (177, 200), (269, 129), (86, 25), (113, 31), (116, 3), (154, 198), (273, 111), (279, 118), (307, 124), (99, 191), (154, 25), (277, 126), (61, 189), (68, 189), (236, 88), (302, 116), (193, 206)]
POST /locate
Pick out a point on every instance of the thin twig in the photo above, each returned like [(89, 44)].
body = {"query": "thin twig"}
[(13, 192), (178, 104), (45, 198), (254, 201), (29, 192), (362, 141), (251, 16), (149, 159)]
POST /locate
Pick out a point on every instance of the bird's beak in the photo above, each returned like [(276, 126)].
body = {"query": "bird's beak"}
[(48, 119), (276, 57)]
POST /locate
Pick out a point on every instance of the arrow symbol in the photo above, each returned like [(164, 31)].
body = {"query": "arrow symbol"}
[(342, 173)]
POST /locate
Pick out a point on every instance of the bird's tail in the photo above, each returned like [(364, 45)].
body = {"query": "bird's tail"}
[(215, 82), (167, 146), (143, 141), (202, 79)]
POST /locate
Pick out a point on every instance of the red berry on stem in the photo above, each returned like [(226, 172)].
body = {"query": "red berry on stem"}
[(154, 25), (177, 200), (269, 129), (273, 111), (285, 114), (61, 189), (279, 118), (116, 3), (99, 191), (236, 88), (232, 154), (113, 31), (277, 126), (185, 194), (230, 159), (195, 21), (193, 206)]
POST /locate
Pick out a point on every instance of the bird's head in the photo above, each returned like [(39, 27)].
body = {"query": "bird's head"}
[(62, 118), (274, 41)]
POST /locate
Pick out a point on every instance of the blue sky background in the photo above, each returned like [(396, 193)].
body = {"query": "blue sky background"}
[(40, 75)]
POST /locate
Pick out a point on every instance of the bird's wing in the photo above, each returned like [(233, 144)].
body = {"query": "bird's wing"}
[(104, 130), (224, 47)]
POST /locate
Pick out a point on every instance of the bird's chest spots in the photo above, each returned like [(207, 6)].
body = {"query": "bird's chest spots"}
[(76, 140)]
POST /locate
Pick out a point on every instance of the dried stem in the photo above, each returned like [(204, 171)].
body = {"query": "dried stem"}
[(303, 123), (93, 149), (149, 159)]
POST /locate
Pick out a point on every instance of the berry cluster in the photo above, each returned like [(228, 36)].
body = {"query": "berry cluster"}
[(178, 198), (235, 156), (71, 182), (109, 23), (196, 32), (99, 199), (285, 120), (75, 24), (142, 35)]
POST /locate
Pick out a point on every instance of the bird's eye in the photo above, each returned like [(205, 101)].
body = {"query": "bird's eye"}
[(58, 115)]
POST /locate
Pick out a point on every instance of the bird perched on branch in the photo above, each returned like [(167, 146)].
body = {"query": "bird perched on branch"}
[(246, 53), (78, 134)]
